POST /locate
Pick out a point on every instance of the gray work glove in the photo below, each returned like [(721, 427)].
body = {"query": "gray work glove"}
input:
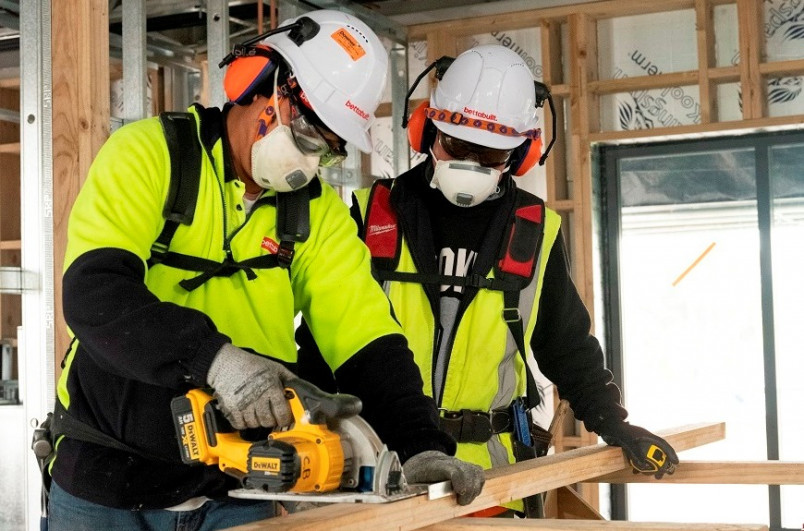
[(250, 388), (433, 466)]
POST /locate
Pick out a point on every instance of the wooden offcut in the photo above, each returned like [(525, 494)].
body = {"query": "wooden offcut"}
[(503, 484)]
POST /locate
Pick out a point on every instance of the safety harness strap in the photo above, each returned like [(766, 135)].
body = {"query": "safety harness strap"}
[(185, 177), (293, 211), (513, 272), (517, 265)]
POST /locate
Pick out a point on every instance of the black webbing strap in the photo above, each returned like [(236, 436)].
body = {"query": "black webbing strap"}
[(473, 280), (513, 319), (210, 268), (292, 222), (65, 424), (185, 176)]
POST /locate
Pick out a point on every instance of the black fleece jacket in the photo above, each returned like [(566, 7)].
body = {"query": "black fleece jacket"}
[(136, 353)]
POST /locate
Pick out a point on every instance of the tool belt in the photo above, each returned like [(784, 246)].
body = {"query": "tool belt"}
[(476, 426)]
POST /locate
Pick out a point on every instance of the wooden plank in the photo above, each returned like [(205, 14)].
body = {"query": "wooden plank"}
[(705, 32), (725, 74), (721, 473), (10, 82), (752, 40), (532, 18), (695, 131), (10, 147), (794, 67), (503, 484), (80, 71), (632, 84), (506, 524), (562, 205), (13, 245), (570, 505)]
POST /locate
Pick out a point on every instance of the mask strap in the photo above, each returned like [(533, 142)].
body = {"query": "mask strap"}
[(276, 99)]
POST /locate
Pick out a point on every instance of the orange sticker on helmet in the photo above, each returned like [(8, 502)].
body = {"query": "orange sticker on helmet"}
[(348, 43)]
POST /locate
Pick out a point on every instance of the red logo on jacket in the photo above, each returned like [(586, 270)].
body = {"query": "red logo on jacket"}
[(270, 245)]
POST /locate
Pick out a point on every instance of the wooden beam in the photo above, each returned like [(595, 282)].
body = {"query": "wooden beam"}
[(506, 524), (503, 484), (752, 40), (794, 67), (721, 473), (555, 166), (696, 131), (632, 84), (532, 18), (80, 70), (705, 31), (569, 505)]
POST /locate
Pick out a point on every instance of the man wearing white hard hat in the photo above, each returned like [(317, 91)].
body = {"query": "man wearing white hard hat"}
[(171, 284), (476, 271)]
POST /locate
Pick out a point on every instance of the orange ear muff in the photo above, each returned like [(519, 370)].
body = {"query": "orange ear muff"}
[(246, 73), (526, 156), (421, 131)]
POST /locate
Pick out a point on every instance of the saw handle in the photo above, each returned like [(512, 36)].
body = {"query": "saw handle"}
[(321, 405)]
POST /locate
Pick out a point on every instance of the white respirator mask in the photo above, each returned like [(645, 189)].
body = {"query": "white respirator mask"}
[(277, 163), (464, 183)]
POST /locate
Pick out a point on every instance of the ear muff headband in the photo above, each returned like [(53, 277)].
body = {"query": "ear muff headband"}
[(526, 156), (421, 131), (248, 72)]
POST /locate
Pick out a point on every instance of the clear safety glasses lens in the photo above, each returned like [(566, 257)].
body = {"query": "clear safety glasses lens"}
[(463, 150), (311, 141)]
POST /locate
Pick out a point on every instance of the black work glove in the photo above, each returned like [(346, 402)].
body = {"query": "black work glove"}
[(647, 453)]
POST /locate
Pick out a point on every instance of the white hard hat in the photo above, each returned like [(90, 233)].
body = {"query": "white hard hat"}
[(488, 83), (341, 69)]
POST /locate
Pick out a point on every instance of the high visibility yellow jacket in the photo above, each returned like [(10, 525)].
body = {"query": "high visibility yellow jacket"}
[(485, 370), (141, 339)]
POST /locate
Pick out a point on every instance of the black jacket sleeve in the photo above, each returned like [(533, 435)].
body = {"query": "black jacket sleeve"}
[(122, 325), (567, 353), (388, 382)]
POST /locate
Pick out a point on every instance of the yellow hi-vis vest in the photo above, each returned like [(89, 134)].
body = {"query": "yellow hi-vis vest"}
[(486, 371)]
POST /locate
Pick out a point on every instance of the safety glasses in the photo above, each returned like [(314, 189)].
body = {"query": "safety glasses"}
[(463, 150), (315, 139)]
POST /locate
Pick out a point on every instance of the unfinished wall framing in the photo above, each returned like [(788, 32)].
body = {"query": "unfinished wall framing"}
[(570, 66)]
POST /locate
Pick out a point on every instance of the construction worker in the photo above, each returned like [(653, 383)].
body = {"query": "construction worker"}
[(212, 303), (477, 273)]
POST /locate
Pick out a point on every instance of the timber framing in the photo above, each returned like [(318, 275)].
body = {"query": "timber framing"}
[(570, 67), (503, 484)]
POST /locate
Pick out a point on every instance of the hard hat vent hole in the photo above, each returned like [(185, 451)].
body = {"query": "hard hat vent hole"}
[(358, 32)]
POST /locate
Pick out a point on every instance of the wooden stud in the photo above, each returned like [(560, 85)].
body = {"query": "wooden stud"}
[(705, 31), (752, 40), (555, 165), (80, 70), (503, 484)]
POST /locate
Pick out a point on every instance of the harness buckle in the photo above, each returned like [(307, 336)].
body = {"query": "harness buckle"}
[(511, 315), (285, 253)]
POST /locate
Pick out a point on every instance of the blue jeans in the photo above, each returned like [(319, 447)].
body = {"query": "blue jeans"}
[(68, 513)]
